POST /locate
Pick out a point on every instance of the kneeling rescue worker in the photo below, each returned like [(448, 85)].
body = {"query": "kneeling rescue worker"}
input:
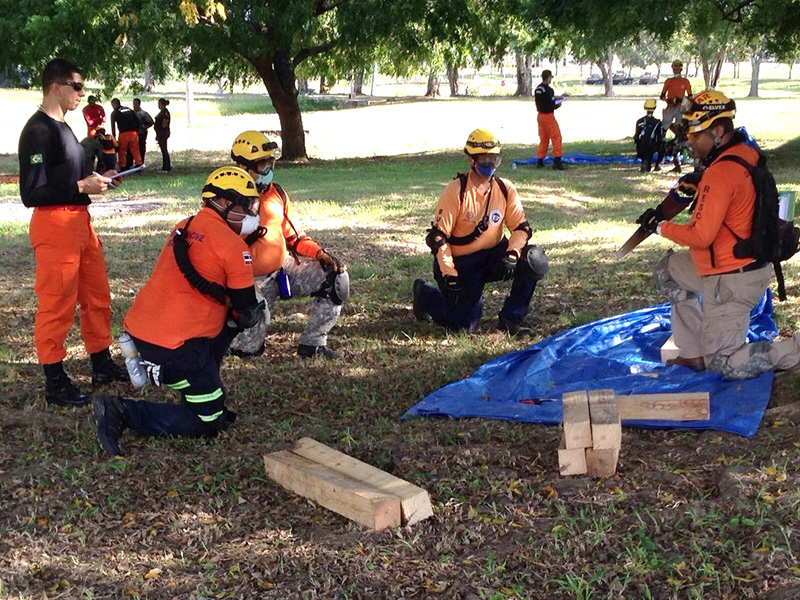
[(714, 286), (200, 295), (287, 263), (470, 249)]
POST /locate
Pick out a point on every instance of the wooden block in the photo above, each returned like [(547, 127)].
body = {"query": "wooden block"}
[(415, 503), (571, 461), (601, 463), (669, 350), (577, 424), (606, 427), (668, 407), (349, 497)]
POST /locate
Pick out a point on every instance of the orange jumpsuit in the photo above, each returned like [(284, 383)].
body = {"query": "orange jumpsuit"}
[(70, 267), (548, 126)]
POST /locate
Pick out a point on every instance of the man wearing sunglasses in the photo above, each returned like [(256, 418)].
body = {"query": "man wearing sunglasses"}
[(287, 263), (470, 249), (70, 267)]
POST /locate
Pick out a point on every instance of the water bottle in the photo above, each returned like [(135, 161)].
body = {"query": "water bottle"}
[(132, 360), (284, 285)]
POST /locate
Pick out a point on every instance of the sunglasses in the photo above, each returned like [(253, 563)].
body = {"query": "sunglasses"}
[(75, 85)]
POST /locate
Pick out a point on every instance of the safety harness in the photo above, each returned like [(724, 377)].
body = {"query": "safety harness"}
[(180, 248), (436, 238)]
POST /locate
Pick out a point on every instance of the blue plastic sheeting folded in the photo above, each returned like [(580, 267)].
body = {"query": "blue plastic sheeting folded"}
[(621, 353), (578, 158)]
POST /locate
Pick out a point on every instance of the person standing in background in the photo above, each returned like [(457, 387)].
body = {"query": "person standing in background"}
[(161, 126), (145, 123), (546, 104)]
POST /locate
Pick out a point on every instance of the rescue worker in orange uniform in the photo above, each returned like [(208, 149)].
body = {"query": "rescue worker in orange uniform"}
[(711, 290), (287, 262), (125, 119), (94, 114), (546, 105), (70, 268), (470, 249), (675, 89), (200, 295)]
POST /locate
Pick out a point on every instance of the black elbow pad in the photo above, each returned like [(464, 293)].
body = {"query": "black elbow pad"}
[(435, 239)]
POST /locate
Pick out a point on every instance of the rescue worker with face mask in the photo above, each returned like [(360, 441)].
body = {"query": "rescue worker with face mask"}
[(711, 289), (70, 267), (287, 262), (200, 295), (470, 249)]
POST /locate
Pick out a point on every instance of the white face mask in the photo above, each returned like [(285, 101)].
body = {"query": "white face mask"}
[(249, 225)]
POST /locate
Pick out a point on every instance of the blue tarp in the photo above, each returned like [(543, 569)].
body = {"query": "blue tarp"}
[(621, 353), (578, 158)]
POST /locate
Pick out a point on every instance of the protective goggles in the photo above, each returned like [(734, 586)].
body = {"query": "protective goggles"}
[(75, 85), (486, 159), (249, 203), (488, 145)]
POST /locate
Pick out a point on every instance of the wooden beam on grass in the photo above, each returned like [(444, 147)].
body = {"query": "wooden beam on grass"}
[(685, 406), (601, 463), (606, 427), (577, 424), (335, 491), (571, 461), (669, 350), (415, 503)]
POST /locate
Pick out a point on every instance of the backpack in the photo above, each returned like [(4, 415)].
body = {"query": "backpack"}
[(772, 239)]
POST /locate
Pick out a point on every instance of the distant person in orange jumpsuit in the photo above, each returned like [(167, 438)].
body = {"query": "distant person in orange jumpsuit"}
[(675, 89), (94, 115), (70, 267), (128, 139), (547, 103)]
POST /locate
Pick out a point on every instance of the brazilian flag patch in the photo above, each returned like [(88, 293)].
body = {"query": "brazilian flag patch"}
[(37, 159)]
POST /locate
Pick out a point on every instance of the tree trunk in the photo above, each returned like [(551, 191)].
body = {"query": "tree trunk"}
[(706, 73), (433, 84), (716, 67), (756, 56), (357, 82), (302, 85), (452, 78), (524, 75), (324, 85), (658, 72), (149, 83), (277, 73), (607, 73), (791, 66), (220, 85)]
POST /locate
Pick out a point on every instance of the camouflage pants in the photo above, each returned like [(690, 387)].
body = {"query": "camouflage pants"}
[(716, 329), (307, 278)]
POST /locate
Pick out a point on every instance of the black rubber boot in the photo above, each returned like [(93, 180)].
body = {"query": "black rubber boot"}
[(557, 164), (540, 163), (58, 388), (521, 328), (105, 370), (311, 351), (419, 312), (112, 419)]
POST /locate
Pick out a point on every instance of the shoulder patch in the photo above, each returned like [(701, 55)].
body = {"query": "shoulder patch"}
[(37, 159), (248, 258)]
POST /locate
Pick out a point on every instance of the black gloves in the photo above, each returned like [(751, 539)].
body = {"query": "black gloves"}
[(330, 261), (259, 233), (687, 185), (452, 289), (650, 219), (509, 262)]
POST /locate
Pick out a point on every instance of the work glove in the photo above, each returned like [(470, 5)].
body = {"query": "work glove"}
[(509, 262), (687, 185), (330, 261), (650, 219), (259, 233), (452, 289)]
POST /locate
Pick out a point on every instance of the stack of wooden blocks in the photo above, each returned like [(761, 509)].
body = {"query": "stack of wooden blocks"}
[(593, 429), (592, 434)]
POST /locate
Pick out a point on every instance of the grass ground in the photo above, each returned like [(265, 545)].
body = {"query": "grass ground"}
[(689, 514)]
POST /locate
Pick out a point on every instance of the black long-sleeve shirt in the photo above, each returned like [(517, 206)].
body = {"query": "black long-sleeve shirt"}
[(51, 162), (545, 98)]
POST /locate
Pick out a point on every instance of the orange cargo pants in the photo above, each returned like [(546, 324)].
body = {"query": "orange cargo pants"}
[(129, 141), (548, 130), (70, 270)]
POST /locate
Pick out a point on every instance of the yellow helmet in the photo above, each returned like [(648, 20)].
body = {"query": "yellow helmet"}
[(482, 141), (233, 184), (250, 147), (650, 104), (700, 111), (677, 65)]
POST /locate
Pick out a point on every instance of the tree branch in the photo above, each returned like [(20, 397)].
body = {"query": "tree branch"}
[(314, 51), (733, 14), (321, 8)]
